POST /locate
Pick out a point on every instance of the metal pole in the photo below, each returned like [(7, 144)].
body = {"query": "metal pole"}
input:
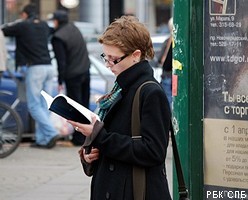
[(105, 13), (140, 10), (188, 93)]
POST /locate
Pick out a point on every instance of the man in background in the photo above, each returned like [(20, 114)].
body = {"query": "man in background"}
[(165, 59), (32, 51), (73, 62)]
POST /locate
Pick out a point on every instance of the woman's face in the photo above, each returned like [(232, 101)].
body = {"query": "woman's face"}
[(116, 60)]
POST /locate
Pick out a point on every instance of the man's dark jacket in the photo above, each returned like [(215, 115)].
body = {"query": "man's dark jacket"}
[(70, 51), (31, 41)]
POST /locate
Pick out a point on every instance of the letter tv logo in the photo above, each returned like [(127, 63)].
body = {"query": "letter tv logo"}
[(227, 195)]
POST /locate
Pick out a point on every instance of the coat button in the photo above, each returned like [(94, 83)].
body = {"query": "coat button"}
[(163, 171), (107, 195), (111, 167)]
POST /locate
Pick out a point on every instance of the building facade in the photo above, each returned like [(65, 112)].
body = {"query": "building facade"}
[(154, 13)]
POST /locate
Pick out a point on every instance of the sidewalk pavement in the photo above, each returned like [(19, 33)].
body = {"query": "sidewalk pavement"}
[(55, 174)]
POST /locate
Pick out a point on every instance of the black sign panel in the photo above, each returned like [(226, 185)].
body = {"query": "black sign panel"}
[(226, 99)]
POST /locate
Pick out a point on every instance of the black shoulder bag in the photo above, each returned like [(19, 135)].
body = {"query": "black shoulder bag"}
[(139, 176)]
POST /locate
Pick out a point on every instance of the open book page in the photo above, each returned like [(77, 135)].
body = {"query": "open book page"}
[(68, 108)]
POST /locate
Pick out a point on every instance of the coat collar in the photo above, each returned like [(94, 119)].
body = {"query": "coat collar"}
[(139, 72), (128, 77)]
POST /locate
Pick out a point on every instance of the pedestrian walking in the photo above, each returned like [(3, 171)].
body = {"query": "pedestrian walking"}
[(73, 62), (32, 51)]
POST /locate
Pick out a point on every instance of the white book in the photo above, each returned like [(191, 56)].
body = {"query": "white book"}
[(68, 108)]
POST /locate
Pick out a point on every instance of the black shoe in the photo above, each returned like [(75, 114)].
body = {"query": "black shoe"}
[(53, 141), (39, 146)]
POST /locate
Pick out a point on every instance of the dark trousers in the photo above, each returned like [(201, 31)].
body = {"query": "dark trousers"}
[(78, 88)]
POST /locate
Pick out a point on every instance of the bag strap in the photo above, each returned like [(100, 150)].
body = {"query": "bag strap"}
[(139, 179), (139, 174), (182, 189), (135, 111)]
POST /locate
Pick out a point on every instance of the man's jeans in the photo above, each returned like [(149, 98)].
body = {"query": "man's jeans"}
[(40, 77), (167, 86)]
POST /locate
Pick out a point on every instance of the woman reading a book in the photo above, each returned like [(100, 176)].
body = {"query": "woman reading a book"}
[(110, 153)]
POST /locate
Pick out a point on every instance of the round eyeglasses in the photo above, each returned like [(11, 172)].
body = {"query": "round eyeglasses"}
[(112, 62)]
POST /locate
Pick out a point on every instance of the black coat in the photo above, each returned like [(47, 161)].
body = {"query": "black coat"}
[(112, 178)]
